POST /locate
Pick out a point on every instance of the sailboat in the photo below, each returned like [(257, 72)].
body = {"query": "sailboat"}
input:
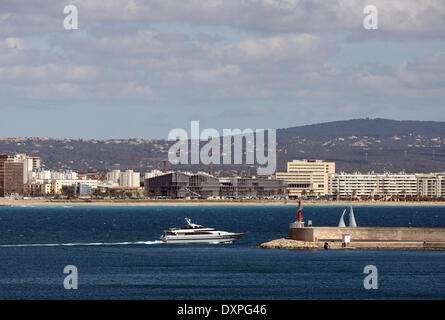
[(342, 224), (352, 222)]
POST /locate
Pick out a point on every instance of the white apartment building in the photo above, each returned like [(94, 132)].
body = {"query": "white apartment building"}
[(345, 185), (129, 178), (51, 182), (310, 177), (65, 175), (113, 177), (29, 164), (39, 174), (67, 182), (431, 185), (74, 182), (40, 187)]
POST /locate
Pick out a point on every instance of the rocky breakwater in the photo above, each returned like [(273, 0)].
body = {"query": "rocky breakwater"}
[(284, 243), (291, 244)]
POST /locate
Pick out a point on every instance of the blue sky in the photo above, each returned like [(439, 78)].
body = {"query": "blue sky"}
[(141, 68)]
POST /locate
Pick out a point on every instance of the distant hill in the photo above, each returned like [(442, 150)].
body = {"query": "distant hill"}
[(369, 144), (378, 128), (355, 145)]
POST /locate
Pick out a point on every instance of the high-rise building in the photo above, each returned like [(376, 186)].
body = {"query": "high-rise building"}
[(307, 177), (11, 176), (29, 164)]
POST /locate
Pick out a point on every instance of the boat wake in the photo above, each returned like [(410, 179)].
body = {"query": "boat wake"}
[(82, 244)]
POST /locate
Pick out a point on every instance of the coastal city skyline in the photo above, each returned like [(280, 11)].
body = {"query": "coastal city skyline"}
[(144, 68), (23, 177)]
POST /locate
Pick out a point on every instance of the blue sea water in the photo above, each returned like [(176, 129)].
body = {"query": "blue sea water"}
[(118, 255)]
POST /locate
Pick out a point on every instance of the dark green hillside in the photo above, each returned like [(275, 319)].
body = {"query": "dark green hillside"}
[(355, 145)]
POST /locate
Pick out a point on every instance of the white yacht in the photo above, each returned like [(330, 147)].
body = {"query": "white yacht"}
[(195, 233)]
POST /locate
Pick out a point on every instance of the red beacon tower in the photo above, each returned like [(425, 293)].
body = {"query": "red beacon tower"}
[(299, 223)]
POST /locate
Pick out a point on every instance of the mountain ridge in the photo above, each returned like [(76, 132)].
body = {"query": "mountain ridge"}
[(355, 145), (367, 126)]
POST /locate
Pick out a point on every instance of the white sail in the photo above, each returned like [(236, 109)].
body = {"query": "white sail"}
[(342, 224), (352, 222)]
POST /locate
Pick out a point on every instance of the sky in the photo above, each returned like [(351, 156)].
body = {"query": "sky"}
[(140, 68)]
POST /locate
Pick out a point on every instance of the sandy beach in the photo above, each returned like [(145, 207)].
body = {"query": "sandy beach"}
[(80, 202)]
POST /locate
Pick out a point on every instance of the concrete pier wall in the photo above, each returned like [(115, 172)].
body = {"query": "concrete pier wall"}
[(315, 234)]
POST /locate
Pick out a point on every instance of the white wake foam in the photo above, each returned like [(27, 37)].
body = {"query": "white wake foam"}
[(82, 244)]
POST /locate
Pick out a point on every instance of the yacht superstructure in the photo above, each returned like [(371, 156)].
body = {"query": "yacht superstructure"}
[(195, 233)]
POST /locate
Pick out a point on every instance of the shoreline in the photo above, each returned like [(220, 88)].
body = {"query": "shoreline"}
[(45, 202)]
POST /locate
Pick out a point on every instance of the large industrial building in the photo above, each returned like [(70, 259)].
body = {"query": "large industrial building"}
[(257, 187), (204, 186), (171, 185)]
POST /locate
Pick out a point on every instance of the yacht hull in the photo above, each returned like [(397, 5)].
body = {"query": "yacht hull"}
[(202, 239)]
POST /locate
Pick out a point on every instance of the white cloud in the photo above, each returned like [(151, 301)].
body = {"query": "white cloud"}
[(215, 74), (425, 72), (245, 55), (51, 73), (294, 47), (408, 18)]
